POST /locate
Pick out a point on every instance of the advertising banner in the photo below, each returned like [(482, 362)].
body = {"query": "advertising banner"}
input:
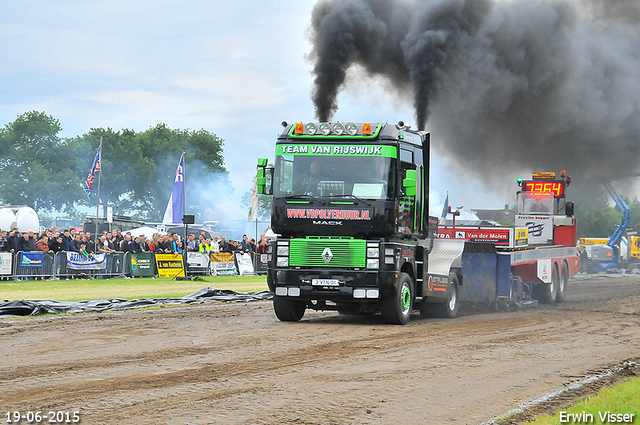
[(222, 264), (5, 263), (197, 259), (170, 265), (31, 259), (245, 265), (141, 264), (77, 261)]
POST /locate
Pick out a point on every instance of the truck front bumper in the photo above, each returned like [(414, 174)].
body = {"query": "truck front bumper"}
[(332, 285)]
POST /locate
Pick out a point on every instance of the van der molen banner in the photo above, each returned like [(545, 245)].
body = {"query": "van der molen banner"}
[(77, 261)]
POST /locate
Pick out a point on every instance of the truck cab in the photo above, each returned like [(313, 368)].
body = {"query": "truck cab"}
[(350, 206)]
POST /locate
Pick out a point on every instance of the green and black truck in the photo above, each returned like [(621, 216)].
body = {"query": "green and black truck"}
[(350, 208)]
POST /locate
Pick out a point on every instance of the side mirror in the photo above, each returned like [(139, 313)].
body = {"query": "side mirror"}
[(410, 182), (264, 177)]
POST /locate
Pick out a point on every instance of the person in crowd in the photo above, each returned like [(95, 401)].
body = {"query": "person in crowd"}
[(43, 244), (144, 243), (243, 244), (109, 239), (74, 245), (154, 245), (206, 247), (3, 240), (262, 245), (167, 244), (66, 240), (55, 244), (125, 244), (174, 243), (179, 249), (24, 243), (223, 245), (252, 246), (91, 244), (82, 250), (72, 233), (101, 246), (32, 241), (118, 237), (214, 244), (135, 245), (13, 240), (192, 244)]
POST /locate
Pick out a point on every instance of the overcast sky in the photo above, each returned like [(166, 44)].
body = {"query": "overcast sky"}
[(235, 68)]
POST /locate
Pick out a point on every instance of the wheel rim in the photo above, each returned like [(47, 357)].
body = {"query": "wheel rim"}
[(454, 298), (405, 298)]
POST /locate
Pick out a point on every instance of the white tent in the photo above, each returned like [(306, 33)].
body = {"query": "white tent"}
[(144, 230)]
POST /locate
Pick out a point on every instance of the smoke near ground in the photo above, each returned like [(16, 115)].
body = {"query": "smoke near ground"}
[(542, 84)]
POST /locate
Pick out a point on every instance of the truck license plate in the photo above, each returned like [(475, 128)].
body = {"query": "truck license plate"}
[(325, 282)]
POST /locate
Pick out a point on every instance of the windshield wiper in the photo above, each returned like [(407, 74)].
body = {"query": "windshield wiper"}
[(304, 195), (353, 197)]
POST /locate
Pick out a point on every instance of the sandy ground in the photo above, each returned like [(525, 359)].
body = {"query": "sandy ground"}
[(236, 364)]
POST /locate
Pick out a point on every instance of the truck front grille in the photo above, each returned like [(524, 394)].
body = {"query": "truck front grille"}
[(328, 252)]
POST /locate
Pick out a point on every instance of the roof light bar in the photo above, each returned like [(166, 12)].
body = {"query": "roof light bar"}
[(338, 128), (352, 128), (325, 128)]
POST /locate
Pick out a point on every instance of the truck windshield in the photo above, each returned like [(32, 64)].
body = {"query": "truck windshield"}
[(535, 203), (364, 177)]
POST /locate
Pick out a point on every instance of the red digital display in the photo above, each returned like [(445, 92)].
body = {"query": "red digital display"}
[(555, 187)]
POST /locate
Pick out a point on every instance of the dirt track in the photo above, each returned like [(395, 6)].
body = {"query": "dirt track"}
[(236, 364)]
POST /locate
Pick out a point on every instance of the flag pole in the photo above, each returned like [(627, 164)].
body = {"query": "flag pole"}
[(184, 184), (95, 236)]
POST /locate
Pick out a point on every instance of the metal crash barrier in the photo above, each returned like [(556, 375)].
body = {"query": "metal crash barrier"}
[(32, 265), (72, 265)]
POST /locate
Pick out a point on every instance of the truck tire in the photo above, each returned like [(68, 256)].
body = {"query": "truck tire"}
[(396, 309), (563, 282), (288, 310), (449, 309), (548, 291)]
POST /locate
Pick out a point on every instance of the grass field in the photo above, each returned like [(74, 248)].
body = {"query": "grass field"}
[(81, 290), (618, 400)]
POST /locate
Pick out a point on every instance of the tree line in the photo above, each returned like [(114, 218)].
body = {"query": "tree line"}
[(40, 169)]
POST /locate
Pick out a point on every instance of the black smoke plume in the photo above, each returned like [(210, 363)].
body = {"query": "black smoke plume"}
[(546, 84)]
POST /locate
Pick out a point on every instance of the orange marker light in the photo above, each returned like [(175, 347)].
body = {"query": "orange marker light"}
[(366, 128), (299, 128)]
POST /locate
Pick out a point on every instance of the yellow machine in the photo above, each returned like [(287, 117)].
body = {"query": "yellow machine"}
[(592, 241)]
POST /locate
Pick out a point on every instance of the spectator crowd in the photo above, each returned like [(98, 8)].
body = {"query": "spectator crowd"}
[(71, 240)]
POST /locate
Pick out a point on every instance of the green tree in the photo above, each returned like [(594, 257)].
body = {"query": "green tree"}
[(138, 169), (38, 168)]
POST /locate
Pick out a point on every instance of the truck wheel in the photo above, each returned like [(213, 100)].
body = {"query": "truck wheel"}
[(396, 309), (548, 291), (449, 309), (563, 282), (288, 310)]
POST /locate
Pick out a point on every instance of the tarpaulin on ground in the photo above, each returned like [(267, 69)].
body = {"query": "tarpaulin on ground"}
[(205, 295)]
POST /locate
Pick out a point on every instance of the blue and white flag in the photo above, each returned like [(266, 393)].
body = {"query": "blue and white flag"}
[(445, 210), (88, 184), (175, 207)]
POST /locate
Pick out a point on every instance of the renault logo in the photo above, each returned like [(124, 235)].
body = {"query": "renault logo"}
[(327, 255)]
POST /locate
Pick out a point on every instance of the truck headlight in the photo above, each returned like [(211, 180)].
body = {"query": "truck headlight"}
[(373, 252), (283, 250), (283, 262), (373, 263)]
